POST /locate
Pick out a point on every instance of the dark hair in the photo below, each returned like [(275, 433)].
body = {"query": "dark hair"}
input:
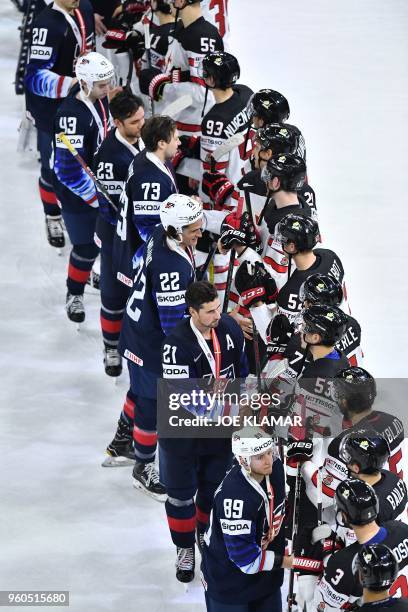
[(200, 293), (124, 105), (159, 127)]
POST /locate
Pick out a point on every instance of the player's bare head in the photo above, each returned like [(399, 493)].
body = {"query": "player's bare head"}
[(355, 390), (67, 5), (254, 450), (182, 4), (127, 111), (162, 6), (160, 136), (203, 304)]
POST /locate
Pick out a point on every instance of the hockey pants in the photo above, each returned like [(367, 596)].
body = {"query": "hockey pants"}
[(190, 482)]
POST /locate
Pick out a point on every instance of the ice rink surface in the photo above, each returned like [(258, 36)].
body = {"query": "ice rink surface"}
[(68, 524)]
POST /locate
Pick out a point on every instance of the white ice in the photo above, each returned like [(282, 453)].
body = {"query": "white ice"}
[(66, 523)]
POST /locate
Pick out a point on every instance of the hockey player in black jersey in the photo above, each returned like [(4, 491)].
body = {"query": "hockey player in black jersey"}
[(156, 304), (357, 507), (193, 38), (324, 289), (377, 569), (355, 391), (111, 166), (207, 345), (85, 119), (150, 182), (60, 33), (243, 553)]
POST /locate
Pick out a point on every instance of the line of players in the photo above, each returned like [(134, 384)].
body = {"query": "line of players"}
[(279, 269)]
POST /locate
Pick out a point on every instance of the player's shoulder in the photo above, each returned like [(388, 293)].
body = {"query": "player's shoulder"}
[(352, 322), (50, 17), (196, 36), (228, 325), (242, 92), (399, 530), (236, 486)]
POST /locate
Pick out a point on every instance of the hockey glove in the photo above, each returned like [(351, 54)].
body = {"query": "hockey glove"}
[(217, 186), (189, 147), (279, 331), (300, 450), (123, 41), (255, 284)]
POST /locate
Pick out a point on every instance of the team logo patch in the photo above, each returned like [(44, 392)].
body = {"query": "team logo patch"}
[(330, 316), (327, 480), (364, 444)]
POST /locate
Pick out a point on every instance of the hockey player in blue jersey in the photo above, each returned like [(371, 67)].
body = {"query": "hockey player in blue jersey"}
[(150, 181), (244, 546), (208, 345), (111, 166), (62, 31), (155, 306), (85, 119)]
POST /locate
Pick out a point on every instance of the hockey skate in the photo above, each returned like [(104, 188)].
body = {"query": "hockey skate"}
[(94, 280), (75, 308), (55, 233), (200, 540), (120, 451), (185, 564), (146, 478), (112, 361)]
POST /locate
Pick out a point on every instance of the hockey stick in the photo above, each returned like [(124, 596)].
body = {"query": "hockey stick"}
[(231, 264), (63, 138), (178, 105), (295, 528), (127, 86), (26, 30), (207, 263), (146, 31)]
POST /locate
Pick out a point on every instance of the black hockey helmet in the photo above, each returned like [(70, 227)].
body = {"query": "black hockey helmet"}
[(290, 169), (281, 138), (223, 67), (357, 387), (357, 500), (269, 105), (366, 448), (376, 567), (321, 289), (302, 231), (328, 321), (164, 6)]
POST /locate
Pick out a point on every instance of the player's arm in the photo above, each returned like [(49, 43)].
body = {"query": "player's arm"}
[(67, 169), (332, 473), (40, 79)]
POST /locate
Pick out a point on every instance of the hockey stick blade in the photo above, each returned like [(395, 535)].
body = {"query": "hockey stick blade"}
[(226, 147), (174, 108)]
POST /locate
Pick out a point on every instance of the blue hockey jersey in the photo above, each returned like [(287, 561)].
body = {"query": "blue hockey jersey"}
[(75, 119), (149, 183), (111, 166), (157, 302), (56, 42), (237, 565)]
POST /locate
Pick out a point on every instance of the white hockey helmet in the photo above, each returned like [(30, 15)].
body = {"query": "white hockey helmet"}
[(251, 441), (93, 67), (180, 210)]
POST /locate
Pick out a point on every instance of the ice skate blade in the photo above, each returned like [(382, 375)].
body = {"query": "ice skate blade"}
[(156, 496), (117, 461)]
